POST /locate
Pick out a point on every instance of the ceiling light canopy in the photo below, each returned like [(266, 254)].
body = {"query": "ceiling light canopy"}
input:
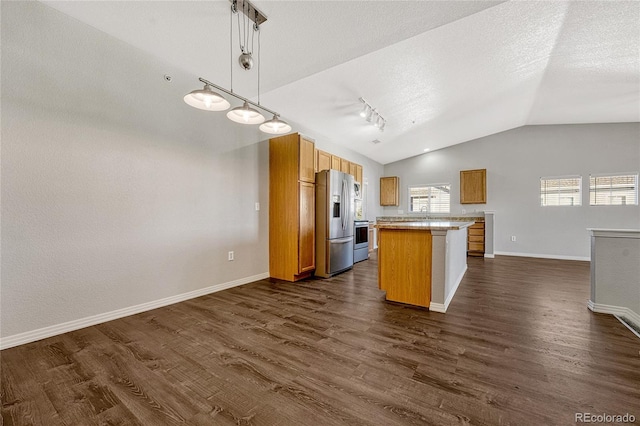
[(208, 100)]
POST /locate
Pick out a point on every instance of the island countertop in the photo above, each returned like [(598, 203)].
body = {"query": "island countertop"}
[(440, 225)]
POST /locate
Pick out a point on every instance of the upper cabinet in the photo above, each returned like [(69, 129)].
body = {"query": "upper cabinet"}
[(336, 162), (345, 166), (473, 186), (353, 170), (307, 160), (389, 191), (323, 161)]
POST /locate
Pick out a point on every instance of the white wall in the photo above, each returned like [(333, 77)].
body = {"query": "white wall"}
[(615, 270), (456, 261), (515, 160), (114, 192)]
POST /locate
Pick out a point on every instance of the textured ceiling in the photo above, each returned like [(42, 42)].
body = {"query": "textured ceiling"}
[(441, 72)]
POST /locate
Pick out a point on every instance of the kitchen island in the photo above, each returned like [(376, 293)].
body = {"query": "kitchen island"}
[(422, 263)]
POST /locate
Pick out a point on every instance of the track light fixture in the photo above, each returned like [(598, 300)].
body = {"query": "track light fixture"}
[(372, 116), (208, 100)]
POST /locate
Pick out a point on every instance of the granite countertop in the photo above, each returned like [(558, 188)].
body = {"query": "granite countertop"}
[(476, 218), (426, 225)]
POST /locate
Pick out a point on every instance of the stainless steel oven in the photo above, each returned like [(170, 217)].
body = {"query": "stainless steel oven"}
[(361, 240)]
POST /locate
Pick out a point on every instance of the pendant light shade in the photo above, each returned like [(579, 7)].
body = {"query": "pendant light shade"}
[(207, 100), (245, 115), (275, 126)]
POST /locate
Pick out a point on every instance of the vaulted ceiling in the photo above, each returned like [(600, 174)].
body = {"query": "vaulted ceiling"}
[(440, 72)]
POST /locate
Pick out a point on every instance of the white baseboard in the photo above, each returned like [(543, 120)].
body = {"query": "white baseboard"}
[(607, 309), (54, 330), (617, 311), (543, 256), (439, 307), (489, 256)]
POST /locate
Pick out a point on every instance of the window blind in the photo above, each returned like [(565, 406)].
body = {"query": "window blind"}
[(430, 198), (561, 191), (613, 189)]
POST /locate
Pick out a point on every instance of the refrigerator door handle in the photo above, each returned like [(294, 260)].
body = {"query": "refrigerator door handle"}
[(344, 203), (341, 240)]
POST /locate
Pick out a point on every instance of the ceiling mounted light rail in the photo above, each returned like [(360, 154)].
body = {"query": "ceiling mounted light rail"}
[(372, 116), (209, 100)]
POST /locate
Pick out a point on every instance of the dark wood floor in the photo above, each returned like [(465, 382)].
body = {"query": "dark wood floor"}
[(517, 346)]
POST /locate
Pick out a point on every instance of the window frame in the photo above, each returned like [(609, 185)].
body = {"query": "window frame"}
[(428, 212), (579, 194), (611, 175)]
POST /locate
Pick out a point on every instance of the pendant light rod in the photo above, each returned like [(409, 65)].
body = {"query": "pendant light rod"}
[(242, 98)]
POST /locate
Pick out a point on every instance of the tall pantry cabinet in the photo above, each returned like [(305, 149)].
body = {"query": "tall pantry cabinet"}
[(292, 199)]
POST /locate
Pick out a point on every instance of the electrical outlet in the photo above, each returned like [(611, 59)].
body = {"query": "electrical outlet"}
[(257, 207), (513, 238), (230, 255)]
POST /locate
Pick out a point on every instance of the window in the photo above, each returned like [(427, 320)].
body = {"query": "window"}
[(561, 191), (613, 189), (429, 198)]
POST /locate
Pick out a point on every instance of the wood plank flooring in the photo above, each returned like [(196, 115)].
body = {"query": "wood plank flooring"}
[(517, 346)]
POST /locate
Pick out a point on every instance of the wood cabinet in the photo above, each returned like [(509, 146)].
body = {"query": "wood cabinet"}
[(353, 170), (336, 162), (389, 191), (291, 207), (473, 186), (475, 239), (404, 265), (345, 166), (307, 161), (323, 160), (307, 226)]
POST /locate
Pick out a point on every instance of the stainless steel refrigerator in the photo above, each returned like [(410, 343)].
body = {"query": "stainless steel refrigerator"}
[(334, 222)]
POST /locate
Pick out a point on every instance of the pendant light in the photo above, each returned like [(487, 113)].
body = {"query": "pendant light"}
[(275, 126), (245, 115), (207, 100)]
